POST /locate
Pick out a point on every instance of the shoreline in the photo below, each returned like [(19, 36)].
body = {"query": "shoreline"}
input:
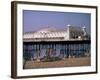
[(67, 62)]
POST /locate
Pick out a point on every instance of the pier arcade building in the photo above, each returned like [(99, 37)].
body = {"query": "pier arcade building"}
[(50, 42)]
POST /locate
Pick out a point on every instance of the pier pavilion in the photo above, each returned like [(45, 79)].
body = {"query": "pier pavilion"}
[(52, 43)]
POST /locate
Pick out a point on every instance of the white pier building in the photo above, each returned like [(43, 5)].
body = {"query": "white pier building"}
[(52, 34), (51, 42)]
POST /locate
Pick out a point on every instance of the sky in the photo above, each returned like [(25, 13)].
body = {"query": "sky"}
[(35, 20)]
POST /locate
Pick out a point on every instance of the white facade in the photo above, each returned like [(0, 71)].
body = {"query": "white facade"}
[(52, 34)]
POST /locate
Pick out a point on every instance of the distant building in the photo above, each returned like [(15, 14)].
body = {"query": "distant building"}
[(52, 34)]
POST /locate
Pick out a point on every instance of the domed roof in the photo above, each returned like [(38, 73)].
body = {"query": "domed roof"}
[(46, 30)]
